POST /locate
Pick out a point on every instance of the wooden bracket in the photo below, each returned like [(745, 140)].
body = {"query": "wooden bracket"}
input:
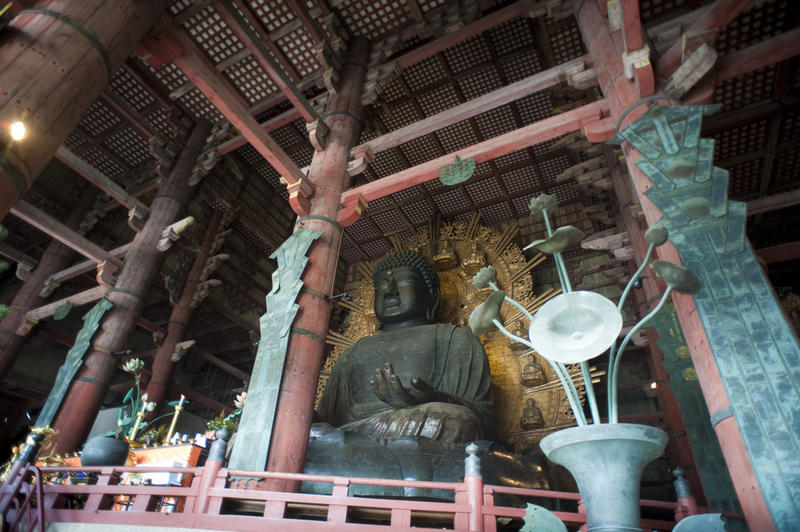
[(585, 79), (600, 130), (136, 219), (172, 233), (300, 194), (24, 270), (330, 78), (107, 274), (47, 288), (351, 211), (327, 56), (158, 48), (181, 348), (360, 161), (318, 134)]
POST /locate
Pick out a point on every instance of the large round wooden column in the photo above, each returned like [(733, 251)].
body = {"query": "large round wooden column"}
[(179, 318), (329, 176), (55, 258), (142, 264), (55, 60)]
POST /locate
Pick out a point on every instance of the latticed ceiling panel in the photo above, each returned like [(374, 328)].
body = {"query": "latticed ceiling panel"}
[(274, 14), (511, 159), (251, 81), (372, 18), (418, 211), (656, 9), (467, 54), (404, 195), (129, 145), (136, 96), (521, 180), (377, 248), (399, 115), (456, 137), (299, 49), (363, 230), (511, 36), (422, 74), (159, 119), (352, 255), (747, 138), (388, 222), (438, 100), (565, 193), (213, 35), (520, 65), (786, 171), (388, 162), (484, 191), (790, 125), (449, 201), (200, 106), (566, 41), (75, 141), (480, 81), (99, 119), (745, 179), (420, 150), (747, 89), (550, 168), (102, 162), (535, 107), (754, 25), (496, 213), (496, 122)]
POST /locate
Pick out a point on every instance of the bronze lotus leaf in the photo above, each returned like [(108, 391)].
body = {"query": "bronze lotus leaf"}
[(543, 202), (656, 235), (681, 279), (481, 318), (561, 239), (484, 276)]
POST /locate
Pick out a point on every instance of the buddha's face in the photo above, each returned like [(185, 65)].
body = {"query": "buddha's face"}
[(401, 297)]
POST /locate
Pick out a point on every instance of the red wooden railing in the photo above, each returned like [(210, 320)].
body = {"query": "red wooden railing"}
[(212, 498)]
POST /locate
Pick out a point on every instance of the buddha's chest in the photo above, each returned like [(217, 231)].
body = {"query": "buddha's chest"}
[(411, 353)]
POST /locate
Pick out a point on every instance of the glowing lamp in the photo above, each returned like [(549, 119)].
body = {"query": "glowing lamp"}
[(17, 130)]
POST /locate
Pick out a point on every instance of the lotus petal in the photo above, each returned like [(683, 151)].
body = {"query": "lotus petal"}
[(485, 275), (543, 202), (656, 235), (481, 318), (681, 279), (561, 239), (575, 326)]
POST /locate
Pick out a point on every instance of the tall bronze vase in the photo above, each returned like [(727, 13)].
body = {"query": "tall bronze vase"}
[(607, 462)]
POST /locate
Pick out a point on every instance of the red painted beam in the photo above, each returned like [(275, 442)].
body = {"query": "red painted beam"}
[(775, 50), (487, 150), (780, 253), (632, 25), (219, 92), (719, 15)]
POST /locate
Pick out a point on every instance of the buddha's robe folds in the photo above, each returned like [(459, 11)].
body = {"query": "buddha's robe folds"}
[(448, 357)]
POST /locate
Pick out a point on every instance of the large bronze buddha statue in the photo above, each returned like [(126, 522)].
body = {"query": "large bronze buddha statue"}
[(415, 377)]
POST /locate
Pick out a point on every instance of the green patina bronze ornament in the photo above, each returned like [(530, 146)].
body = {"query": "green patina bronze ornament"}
[(62, 311), (458, 172), (561, 239), (3, 311), (680, 279), (481, 318), (656, 235), (3, 232), (4, 266), (542, 203)]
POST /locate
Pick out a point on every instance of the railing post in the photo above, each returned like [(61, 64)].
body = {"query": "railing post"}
[(216, 456), (474, 484), (687, 504), (582, 510)]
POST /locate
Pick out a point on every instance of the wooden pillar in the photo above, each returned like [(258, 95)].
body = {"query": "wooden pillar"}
[(180, 317), (55, 258), (55, 60), (142, 264), (605, 49), (329, 176)]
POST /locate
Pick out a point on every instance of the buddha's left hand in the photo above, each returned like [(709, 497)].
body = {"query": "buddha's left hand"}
[(389, 389)]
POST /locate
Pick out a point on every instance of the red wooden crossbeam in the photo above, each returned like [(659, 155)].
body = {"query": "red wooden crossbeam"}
[(524, 137), (759, 55)]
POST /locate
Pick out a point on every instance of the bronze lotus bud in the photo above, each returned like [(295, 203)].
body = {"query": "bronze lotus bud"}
[(681, 279), (656, 235), (561, 239), (543, 202), (481, 318), (484, 276)]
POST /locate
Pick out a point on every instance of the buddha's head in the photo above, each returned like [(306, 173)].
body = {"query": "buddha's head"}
[(406, 290)]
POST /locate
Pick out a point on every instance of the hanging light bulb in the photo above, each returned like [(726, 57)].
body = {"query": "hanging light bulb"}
[(17, 130)]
